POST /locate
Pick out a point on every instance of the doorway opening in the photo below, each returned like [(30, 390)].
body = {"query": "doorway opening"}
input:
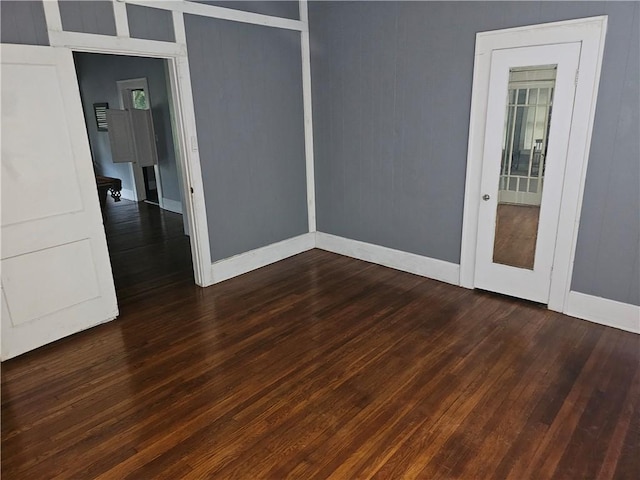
[(129, 117)]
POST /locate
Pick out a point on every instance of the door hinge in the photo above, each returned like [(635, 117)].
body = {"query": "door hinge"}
[(577, 75)]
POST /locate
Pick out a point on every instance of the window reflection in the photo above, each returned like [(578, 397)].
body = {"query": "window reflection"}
[(524, 150)]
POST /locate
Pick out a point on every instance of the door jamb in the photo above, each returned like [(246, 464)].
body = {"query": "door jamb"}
[(591, 33)]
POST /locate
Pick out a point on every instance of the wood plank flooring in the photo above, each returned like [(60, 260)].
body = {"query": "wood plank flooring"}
[(148, 248), (320, 366)]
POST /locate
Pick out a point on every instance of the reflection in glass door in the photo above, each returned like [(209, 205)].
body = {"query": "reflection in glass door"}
[(524, 152)]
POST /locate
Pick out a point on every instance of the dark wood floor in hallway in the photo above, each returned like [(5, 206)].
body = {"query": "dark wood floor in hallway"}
[(319, 366)]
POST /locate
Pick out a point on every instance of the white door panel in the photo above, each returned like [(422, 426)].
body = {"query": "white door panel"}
[(18, 239), (144, 137), (44, 271), (120, 136), (29, 168), (532, 283), (56, 274)]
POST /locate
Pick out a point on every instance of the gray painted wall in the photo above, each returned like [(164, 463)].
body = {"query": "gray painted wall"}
[(23, 22), (391, 90), (97, 75), (607, 260), (247, 87), (94, 16), (391, 97), (150, 23), (282, 8)]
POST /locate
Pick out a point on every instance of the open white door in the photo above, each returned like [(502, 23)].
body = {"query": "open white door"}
[(56, 274)]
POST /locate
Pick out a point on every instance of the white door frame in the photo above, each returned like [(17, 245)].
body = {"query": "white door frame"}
[(591, 33), (137, 176), (188, 160)]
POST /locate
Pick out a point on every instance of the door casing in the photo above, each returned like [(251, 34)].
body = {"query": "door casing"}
[(590, 32), (185, 143)]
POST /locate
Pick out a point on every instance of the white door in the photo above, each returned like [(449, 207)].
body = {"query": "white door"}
[(529, 116), (134, 96), (56, 274)]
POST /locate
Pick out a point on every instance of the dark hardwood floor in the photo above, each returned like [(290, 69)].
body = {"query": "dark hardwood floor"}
[(319, 366), (148, 249)]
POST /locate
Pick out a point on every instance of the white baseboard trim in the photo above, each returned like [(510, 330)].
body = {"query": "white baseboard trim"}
[(172, 205), (587, 307), (407, 262), (603, 311), (260, 257), (128, 194)]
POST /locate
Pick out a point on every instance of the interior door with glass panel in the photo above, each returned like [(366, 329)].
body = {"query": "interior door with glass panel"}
[(529, 114)]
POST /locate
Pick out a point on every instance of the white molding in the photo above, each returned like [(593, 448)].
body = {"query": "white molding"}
[(604, 311), (591, 32), (89, 42), (52, 16), (176, 150), (577, 160), (222, 13), (471, 206), (120, 16), (172, 205), (139, 193), (407, 262), (308, 117), (179, 31), (260, 257), (553, 30)]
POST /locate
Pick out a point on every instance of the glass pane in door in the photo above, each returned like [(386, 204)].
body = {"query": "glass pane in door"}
[(139, 99), (524, 147)]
